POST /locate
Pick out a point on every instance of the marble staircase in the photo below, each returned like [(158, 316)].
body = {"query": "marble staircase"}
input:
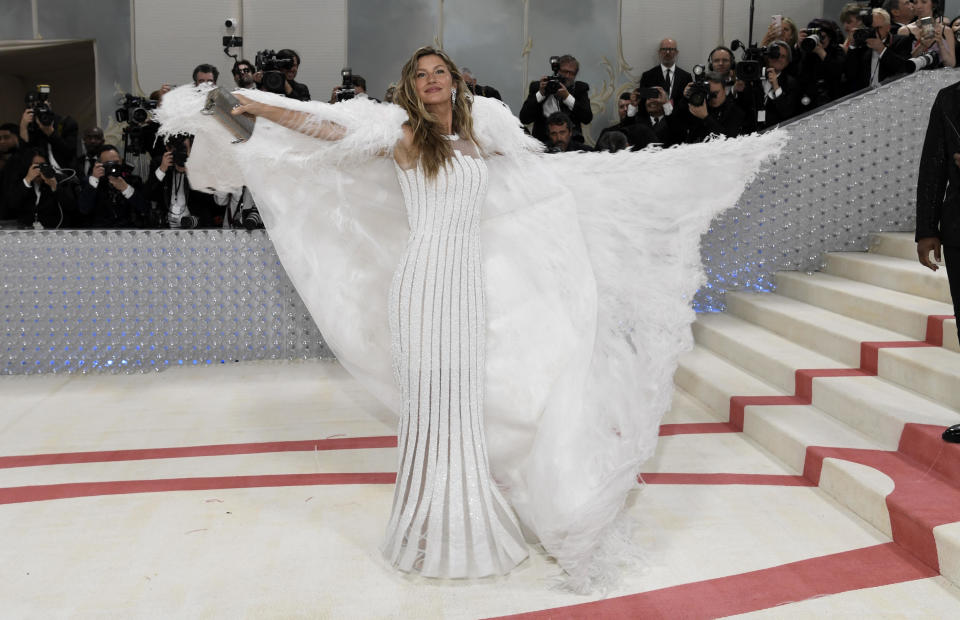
[(848, 377)]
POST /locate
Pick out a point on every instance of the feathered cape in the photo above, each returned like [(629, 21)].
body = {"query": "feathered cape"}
[(591, 261)]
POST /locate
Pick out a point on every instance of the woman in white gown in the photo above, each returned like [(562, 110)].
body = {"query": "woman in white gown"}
[(536, 371)]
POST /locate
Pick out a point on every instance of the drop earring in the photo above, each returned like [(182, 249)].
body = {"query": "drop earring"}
[(453, 96)]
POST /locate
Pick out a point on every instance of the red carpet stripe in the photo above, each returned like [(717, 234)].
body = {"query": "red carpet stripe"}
[(18, 495), (343, 443), (719, 479), (869, 567), (696, 428)]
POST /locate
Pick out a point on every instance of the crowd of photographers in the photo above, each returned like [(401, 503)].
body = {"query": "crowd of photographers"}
[(51, 179)]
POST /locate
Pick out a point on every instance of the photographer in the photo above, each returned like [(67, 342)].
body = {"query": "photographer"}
[(484, 91), (775, 97), (876, 54), (169, 187), (353, 87), (112, 197), (721, 61), (638, 135), (54, 135), (821, 64), (560, 92), (37, 199), (710, 113), (243, 72), (560, 130)]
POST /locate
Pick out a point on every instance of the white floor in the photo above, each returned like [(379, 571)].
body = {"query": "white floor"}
[(311, 551)]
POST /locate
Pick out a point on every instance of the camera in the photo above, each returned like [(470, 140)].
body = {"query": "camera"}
[(346, 90), (47, 170), (273, 68), (554, 82), (37, 100), (135, 110), (699, 87), (232, 41), (179, 150), (812, 40), (190, 222), (250, 218), (112, 169), (750, 68)]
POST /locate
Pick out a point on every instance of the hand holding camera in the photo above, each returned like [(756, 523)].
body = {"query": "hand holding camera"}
[(166, 161), (773, 78)]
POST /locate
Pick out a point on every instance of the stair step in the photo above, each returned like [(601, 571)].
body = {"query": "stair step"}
[(893, 273), (834, 335), (812, 335), (883, 307), (768, 356), (712, 380), (878, 408), (898, 245), (932, 371)]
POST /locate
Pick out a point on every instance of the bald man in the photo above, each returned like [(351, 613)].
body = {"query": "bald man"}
[(667, 77)]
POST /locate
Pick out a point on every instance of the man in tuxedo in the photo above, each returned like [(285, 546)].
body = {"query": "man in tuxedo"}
[(652, 115), (572, 98), (169, 187), (667, 75), (638, 135), (92, 143), (717, 115), (113, 199), (884, 56), (938, 190), (776, 97)]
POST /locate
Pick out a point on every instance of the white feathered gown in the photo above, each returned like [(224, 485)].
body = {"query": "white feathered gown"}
[(590, 262)]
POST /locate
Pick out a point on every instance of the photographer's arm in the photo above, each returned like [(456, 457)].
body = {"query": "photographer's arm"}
[(303, 122)]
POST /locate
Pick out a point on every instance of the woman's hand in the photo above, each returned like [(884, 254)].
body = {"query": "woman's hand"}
[(247, 106)]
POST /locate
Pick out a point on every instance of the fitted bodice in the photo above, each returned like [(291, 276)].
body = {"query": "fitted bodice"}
[(450, 203)]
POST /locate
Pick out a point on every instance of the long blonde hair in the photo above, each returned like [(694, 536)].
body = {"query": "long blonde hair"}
[(428, 139)]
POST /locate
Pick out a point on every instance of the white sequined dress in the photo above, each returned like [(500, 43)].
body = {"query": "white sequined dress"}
[(449, 519), (535, 371)]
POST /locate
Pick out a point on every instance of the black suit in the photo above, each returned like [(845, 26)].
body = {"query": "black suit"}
[(654, 77), (859, 60), (486, 91), (725, 120), (638, 135), (665, 128), (581, 114), (200, 204), (62, 142), (938, 184), (104, 206), (52, 209), (775, 110)]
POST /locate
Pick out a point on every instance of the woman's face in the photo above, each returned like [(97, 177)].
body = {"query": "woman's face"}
[(955, 24), (789, 33), (433, 80), (923, 8)]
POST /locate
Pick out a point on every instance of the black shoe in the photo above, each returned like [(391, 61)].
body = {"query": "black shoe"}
[(952, 434)]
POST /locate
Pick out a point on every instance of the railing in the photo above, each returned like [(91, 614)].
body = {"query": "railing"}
[(848, 170)]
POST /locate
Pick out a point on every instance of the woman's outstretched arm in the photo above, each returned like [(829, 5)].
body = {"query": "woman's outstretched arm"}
[(303, 122)]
